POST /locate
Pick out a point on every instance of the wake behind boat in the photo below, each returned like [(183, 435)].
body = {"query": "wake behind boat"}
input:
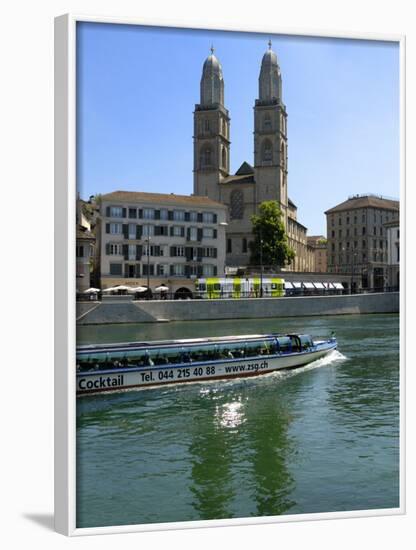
[(110, 367)]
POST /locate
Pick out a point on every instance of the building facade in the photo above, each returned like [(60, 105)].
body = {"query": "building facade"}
[(158, 237), (85, 249), (357, 239), (318, 245), (265, 180), (393, 253)]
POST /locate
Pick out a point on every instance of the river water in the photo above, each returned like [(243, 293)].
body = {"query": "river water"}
[(322, 438)]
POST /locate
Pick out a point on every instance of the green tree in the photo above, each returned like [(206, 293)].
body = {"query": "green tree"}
[(270, 246)]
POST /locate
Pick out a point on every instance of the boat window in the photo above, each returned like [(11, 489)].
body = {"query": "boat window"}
[(285, 344), (306, 341)]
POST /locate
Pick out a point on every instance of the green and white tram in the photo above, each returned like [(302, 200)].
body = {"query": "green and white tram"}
[(239, 287)]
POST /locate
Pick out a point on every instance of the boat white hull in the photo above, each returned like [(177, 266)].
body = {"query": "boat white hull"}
[(145, 377)]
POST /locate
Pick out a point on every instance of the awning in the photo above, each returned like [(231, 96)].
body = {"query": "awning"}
[(308, 285), (319, 285), (297, 285), (338, 285), (288, 284)]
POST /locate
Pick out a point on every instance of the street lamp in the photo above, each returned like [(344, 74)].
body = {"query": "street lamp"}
[(261, 264), (147, 240), (352, 269), (224, 225)]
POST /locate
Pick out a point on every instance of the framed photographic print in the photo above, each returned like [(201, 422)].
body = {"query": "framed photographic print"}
[(228, 208)]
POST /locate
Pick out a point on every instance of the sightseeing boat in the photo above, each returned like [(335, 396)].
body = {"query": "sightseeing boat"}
[(111, 367)]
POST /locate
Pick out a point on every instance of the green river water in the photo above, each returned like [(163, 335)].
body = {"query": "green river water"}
[(322, 438)]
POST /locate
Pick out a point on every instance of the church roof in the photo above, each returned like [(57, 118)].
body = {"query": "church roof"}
[(158, 198), (249, 178), (365, 201), (245, 169)]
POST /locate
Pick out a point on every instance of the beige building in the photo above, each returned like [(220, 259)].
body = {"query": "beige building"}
[(318, 245), (85, 246), (393, 253), (166, 238), (244, 191), (357, 239)]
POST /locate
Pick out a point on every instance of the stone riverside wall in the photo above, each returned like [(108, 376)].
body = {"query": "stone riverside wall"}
[(189, 310)]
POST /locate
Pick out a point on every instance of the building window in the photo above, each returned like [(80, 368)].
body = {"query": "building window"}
[(339, 221), (205, 157), (333, 234), (267, 151), (80, 251), (224, 158), (179, 269), (208, 217), (229, 246), (347, 232), (193, 233), (398, 234), (208, 270), (397, 253), (179, 215), (244, 245), (340, 233), (115, 249), (132, 251), (116, 269), (148, 213), (208, 233), (363, 230), (206, 125), (148, 269), (267, 122), (148, 230), (164, 214), (132, 230), (348, 220), (116, 228), (364, 244), (193, 216), (132, 212), (116, 212), (236, 205)]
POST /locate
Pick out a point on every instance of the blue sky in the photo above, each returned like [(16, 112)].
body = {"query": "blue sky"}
[(137, 87)]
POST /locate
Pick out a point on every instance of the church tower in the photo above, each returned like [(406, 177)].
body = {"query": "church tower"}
[(270, 135), (211, 132)]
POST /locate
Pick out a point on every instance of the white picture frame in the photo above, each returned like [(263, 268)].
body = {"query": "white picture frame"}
[(65, 336)]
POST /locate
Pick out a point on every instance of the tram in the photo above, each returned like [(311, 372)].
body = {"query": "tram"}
[(239, 287)]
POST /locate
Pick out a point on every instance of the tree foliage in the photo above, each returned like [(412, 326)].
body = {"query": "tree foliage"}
[(270, 239)]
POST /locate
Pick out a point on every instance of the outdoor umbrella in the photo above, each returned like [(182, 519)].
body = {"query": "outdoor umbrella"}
[(162, 288), (91, 290)]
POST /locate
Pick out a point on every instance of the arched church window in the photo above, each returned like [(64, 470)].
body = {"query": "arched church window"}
[(224, 157), (267, 122), (236, 205), (206, 125), (267, 153), (206, 157)]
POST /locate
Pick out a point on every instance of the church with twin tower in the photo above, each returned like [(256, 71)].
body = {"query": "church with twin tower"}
[(265, 180)]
